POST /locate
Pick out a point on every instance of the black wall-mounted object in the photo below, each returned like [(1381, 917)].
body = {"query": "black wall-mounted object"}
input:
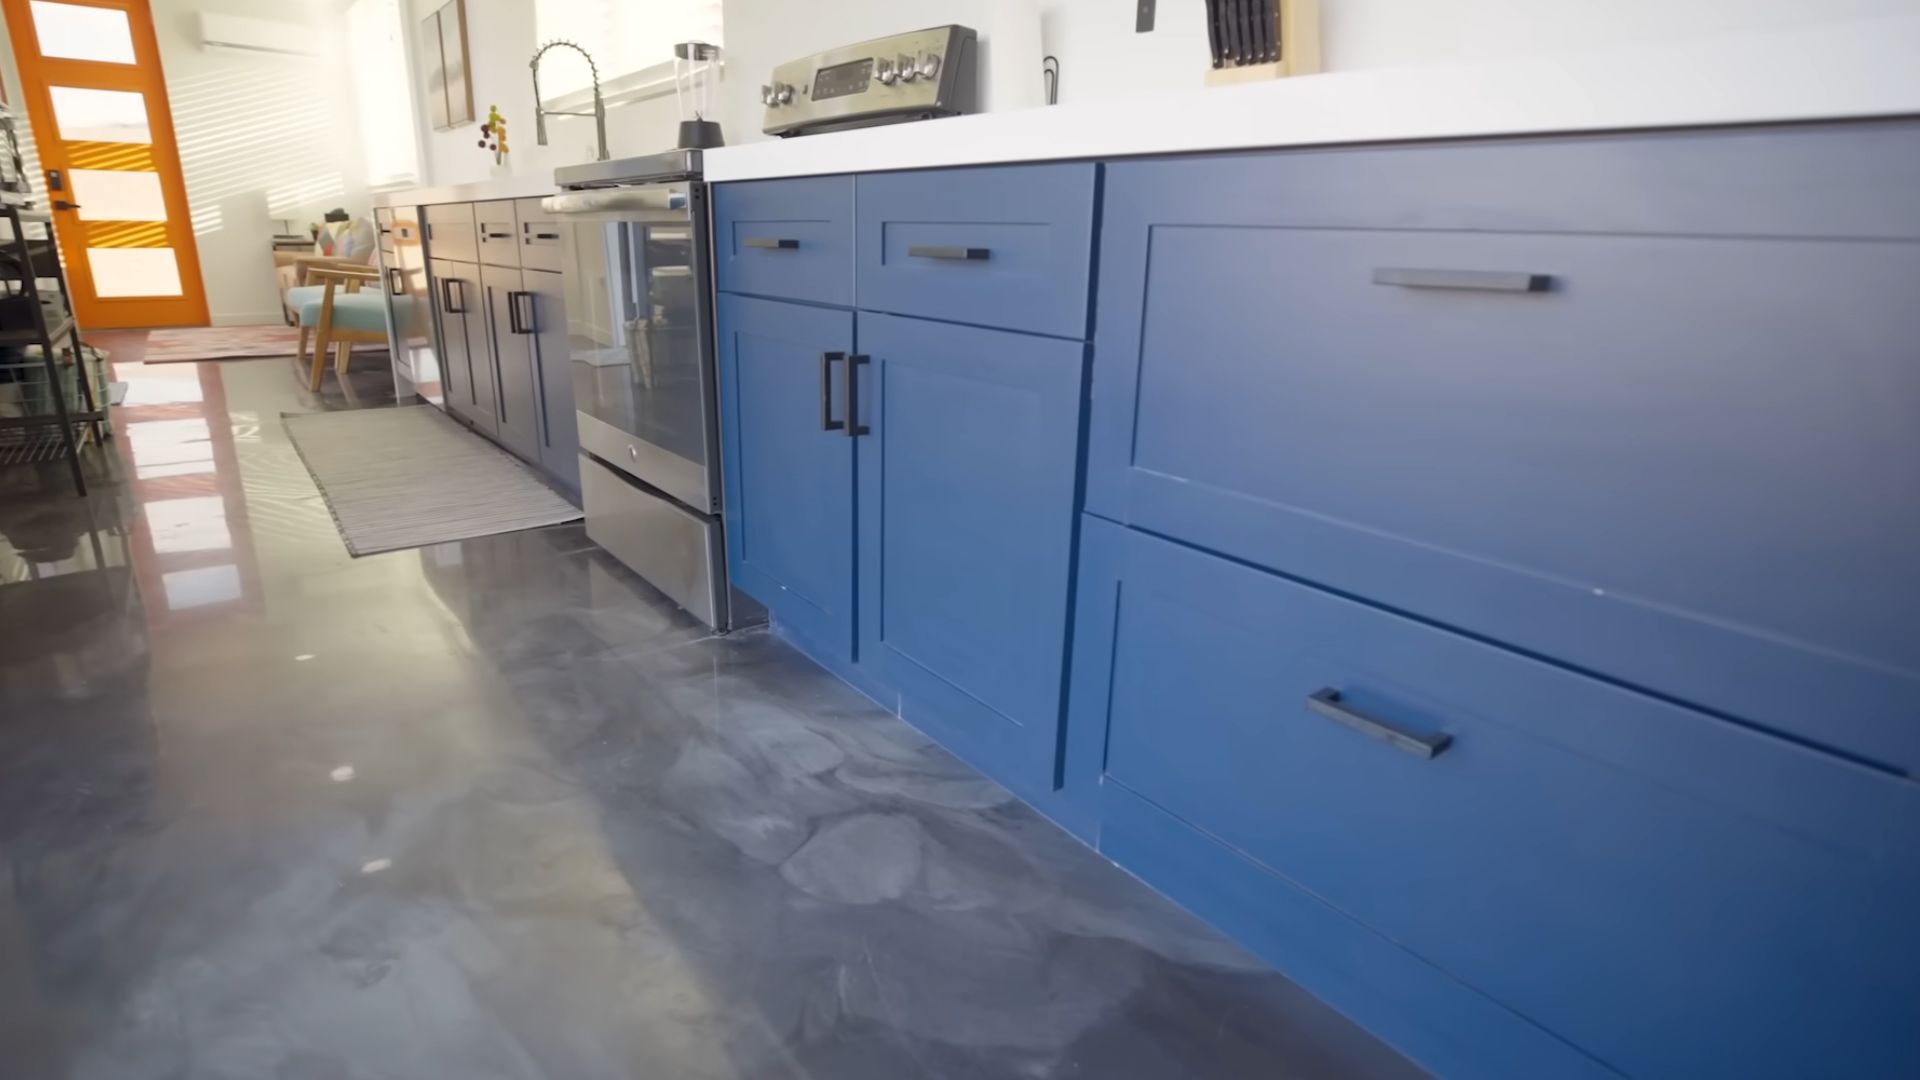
[(1143, 16)]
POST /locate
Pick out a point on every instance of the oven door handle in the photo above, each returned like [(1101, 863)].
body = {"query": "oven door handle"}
[(645, 200)]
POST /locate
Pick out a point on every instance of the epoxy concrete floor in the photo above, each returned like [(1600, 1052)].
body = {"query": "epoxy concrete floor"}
[(496, 810)]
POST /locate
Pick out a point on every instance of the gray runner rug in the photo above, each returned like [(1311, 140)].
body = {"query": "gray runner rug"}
[(407, 477)]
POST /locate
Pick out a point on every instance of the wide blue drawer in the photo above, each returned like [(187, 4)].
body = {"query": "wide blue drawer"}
[(1683, 461), (1008, 247), (1675, 895), (791, 239)]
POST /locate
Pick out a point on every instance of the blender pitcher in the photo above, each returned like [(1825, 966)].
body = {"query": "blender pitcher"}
[(696, 65)]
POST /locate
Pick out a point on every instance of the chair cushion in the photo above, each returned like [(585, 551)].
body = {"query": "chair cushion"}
[(351, 311), (301, 295)]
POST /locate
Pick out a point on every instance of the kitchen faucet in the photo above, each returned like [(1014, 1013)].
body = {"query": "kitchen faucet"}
[(540, 115)]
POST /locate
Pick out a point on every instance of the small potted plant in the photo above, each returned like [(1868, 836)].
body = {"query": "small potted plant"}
[(493, 137)]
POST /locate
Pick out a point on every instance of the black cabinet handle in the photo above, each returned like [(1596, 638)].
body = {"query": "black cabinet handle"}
[(395, 284), (769, 243), (519, 319), (827, 422), (1478, 280), (446, 296), (944, 251), (487, 234), (543, 238), (855, 428), (1327, 703)]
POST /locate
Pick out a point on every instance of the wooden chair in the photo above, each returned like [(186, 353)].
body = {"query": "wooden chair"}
[(338, 314)]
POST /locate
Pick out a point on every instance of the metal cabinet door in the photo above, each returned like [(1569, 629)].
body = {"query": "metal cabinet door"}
[(546, 312), (463, 338), (516, 401)]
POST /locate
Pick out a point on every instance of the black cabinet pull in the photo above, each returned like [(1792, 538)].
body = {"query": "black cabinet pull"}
[(488, 234), (1477, 280), (519, 319), (543, 238), (1327, 703), (946, 251), (768, 243), (855, 428), (446, 296), (395, 284), (827, 422)]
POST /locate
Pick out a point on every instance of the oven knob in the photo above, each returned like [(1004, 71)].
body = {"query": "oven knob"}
[(766, 94), (884, 71), (907, 71), (929, 65), (782, 93)]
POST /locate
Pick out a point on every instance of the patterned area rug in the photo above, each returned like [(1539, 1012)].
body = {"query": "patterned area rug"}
[(404, 478), (177, 346)]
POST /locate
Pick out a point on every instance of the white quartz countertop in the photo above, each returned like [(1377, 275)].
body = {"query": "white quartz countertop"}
[(528, 186), (1849, 69)]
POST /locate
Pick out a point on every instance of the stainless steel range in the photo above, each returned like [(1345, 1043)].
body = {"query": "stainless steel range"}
[(640, 331)]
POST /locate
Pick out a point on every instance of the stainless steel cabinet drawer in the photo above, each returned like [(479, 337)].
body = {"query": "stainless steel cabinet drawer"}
[(451, 233), (1676, 895), (789, 239), (498, 229), (1008, 247), (541, 243)]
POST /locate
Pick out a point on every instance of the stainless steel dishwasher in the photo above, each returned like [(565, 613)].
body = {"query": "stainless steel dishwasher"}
[(640, 336)]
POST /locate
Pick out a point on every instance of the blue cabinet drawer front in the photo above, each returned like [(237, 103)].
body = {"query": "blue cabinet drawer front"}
[(1687, 463), (1675, 895), (1006, 247), (789, 480), (967, 480), (786, 238)]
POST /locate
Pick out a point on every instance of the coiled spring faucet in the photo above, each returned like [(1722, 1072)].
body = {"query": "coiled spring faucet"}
[(540, 115)]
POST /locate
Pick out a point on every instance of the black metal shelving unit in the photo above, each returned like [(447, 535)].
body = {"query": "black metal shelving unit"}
[(30, 317)]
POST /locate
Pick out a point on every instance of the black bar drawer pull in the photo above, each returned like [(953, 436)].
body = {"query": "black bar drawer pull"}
[(768, 243), (395, 284), (544, 237), (447, 303), (945, 251), (855, 428), (827, 422), (1327, 703), (1479, 280), (488, 234)]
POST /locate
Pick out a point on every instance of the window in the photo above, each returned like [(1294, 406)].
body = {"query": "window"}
[(631, 42), (377, 59)]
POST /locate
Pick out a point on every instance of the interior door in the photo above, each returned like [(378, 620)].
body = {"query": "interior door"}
[(90, 74)]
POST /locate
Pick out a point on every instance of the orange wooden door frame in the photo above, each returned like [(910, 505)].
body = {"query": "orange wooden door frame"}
[(144, 77)]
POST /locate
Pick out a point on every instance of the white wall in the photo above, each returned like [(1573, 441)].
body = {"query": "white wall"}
[(1100, 55), (261, 137), (500, 40)]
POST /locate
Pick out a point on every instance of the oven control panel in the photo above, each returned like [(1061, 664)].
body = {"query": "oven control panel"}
[(915, 76)]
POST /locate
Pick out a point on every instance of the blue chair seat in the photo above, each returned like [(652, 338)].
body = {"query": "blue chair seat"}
[(351, 311)]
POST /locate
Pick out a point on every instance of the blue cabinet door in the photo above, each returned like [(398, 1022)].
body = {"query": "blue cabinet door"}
[(1409, 376), (789, 496), (967, 477), (1673, 894)]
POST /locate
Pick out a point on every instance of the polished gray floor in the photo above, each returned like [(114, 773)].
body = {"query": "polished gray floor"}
[(495, 809)]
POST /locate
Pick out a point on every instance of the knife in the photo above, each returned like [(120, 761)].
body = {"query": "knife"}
[(1237, 20), (1249, 42), (1213, 30), (1270, 29)]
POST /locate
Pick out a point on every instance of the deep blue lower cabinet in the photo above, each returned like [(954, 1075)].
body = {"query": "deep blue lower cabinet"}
[(789, 463), (1494, 601), (1668, 894), (967, 472)]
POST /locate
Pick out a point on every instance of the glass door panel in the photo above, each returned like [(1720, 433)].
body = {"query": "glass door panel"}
[(82, 32)]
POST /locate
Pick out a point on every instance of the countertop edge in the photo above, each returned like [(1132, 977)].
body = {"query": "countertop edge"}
[(1854, 70)]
